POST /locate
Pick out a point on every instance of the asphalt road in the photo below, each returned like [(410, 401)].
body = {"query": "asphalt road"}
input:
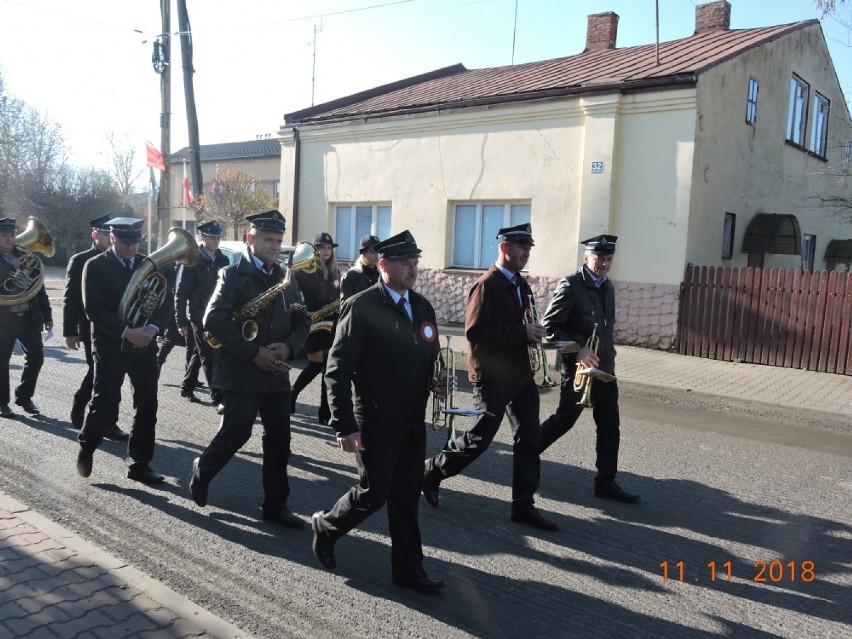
[(721, 491)]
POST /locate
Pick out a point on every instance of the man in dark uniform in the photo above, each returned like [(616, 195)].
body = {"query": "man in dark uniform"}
[(75, 324), (503, 383), (120, 350), (386, 343), (172, 337), (195, 285), (583, 301), (22, 321), (364, 273), (252, 375)]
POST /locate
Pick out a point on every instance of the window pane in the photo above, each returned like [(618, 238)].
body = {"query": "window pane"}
[(383, 222), (797, 115), (520, 214), (464, 236), (819, 132), (343, 233), (492, 222), (363, 222)]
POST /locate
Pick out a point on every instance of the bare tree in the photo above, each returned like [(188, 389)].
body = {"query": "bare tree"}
[(231, 197), (122, 160)]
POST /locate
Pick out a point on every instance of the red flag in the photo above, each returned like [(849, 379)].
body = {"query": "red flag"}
[(187, 188), (155, 158)]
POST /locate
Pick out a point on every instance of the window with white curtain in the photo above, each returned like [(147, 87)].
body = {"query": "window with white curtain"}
[(354, 221), (475, 228)]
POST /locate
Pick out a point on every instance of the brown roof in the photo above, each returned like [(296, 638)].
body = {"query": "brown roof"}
[(606, 70)]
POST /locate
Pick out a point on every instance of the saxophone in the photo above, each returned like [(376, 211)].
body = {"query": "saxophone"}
[(305, 258), (318, 321)]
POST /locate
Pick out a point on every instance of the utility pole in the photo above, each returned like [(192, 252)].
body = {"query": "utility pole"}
[(165, 200), (189, 93)]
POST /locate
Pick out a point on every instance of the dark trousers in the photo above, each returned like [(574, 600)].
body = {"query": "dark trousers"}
[(605, 413), (390, 471), (84, 393), (110, 369), (241, 410), (14, 326), (200, 357), (520, 403)]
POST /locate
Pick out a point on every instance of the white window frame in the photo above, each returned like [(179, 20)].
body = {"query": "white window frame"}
[(808, 251), (483, 261), (349, 246), (751, 101), (797, 113), (819, 129)]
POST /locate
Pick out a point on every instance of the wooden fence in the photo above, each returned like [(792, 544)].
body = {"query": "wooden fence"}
[(778, 317)]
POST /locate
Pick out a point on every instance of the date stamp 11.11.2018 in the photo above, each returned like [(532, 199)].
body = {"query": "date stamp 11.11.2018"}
[(774, 571)]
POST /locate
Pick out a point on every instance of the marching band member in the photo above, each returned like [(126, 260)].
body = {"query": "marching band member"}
[(22, 321), (252, 376), (581, 301), (365, 272), (195, 285), (120, 350), (503, 383), (320, 290), (386, 343), (75, 325)]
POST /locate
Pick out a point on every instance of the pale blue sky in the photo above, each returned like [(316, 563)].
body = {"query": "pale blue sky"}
[(84, 65)]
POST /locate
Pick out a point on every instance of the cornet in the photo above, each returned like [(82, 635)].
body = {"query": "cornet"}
[(537, 356), (584, 376), (443, 411)]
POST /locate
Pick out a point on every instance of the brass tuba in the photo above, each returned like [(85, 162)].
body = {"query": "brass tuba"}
[(147, 289), (305, 258), (24, 283)]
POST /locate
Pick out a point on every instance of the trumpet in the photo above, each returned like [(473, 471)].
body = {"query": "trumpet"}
[(537, 356), (443, 411), (584, 376)]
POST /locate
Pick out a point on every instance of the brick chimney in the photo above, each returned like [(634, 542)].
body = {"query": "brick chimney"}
[(602, 31), (713, 16)]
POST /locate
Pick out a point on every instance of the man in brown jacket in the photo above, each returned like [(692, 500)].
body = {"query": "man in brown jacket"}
[(503, 384)]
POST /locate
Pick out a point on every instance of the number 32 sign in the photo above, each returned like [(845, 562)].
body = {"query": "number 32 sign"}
[(597, 167)]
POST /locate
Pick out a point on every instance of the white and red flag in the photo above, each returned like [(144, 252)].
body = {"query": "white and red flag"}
[(155, 158)]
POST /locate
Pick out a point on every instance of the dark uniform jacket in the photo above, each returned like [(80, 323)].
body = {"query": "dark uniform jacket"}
[(74, 320), (317, 290), (195, 285), (356, 279), (576, 307), (105, 278), (494, 326), (390, 360), (278, 321), (38, 306)]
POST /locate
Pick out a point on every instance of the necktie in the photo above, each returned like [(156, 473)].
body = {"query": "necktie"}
[(128, 264), (401, 304)]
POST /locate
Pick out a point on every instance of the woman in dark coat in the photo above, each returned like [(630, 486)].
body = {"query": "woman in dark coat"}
[(321, 291)]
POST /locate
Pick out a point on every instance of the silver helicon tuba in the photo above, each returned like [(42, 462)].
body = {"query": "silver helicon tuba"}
[(147, 289)]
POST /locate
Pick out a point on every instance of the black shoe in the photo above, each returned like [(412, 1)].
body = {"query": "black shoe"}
[(431, 488), (197, 487), (84, 462), (419, 581), (534, 519), (77, 414), (283, 517), (199, 384), (116, 434), (145, 475), (28, 406), (220, 409), (323, 549), (611, 490), (215, 398), (190, 396), (6, 411)]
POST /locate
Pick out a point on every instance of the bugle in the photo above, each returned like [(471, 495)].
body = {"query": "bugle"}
[(584, 375), (537, 356)]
